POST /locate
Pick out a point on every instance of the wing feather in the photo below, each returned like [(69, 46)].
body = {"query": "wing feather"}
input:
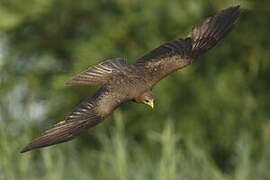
[(100, 73), (179, 53), (61, 132), (84, 116)]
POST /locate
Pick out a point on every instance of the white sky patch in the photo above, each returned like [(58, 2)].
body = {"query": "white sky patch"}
[(38, 111), (20, 102), (24, 110)]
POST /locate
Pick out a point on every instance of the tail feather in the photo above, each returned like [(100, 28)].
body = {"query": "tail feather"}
[(206, 35)]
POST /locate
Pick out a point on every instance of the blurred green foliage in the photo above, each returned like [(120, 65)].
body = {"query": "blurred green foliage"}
[(211, 119)]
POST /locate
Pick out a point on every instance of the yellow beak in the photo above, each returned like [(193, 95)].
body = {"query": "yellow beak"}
[(150, 103)]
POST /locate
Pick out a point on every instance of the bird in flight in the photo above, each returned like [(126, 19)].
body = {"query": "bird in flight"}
[(121, 82)]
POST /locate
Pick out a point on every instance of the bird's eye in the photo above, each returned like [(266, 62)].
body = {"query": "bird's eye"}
[(147, 101)]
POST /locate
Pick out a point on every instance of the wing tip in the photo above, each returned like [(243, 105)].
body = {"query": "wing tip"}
[(213, 30), (232, 11), (26, 149), (33, 146), (236, 7)]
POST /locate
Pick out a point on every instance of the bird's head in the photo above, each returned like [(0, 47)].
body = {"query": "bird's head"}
[(146, 98)]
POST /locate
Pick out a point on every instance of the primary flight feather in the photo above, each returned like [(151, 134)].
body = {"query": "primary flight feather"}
[(122, 83)]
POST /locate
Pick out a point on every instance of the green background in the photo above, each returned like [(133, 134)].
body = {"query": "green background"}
[(211, 119)]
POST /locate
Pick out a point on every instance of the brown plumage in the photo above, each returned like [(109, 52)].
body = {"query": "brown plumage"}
[(121, 83)]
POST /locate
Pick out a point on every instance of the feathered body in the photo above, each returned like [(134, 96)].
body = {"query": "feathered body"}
[(121, 83)]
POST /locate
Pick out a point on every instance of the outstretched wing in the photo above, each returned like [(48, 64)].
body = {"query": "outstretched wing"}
[(179, 53), (100, 73), (61, 132), (84, 116)]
